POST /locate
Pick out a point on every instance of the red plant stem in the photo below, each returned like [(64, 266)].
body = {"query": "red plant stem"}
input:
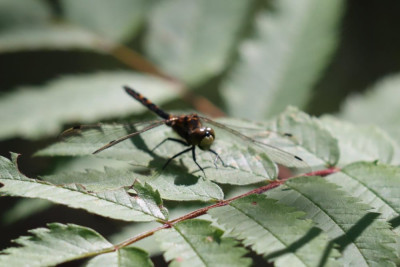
[(323, 173), (221, 203)]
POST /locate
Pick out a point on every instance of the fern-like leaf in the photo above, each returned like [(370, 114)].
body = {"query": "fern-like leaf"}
[(197, 243), (245, 163), (363, 238), (275, 231), (117, 204), (168, 187), (359, 142), (53, 245), (320, 147), (377, 185), (124, 257)]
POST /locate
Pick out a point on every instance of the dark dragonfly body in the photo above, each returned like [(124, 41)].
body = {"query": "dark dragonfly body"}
[(189, 127), (193, 134)]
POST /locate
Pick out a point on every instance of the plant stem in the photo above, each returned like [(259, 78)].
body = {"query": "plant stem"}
[(221, 203)]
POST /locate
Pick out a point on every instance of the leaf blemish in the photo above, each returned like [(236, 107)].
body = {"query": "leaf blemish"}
[(1, 185), (254, 203), (209, 238), (179, 259)]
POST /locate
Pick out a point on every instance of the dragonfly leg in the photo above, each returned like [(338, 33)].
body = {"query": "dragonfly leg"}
[(194, 159), (170, 139), (216, 158), (177, 155)]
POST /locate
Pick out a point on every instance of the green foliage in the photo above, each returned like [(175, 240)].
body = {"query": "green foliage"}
[(310, 135), (28, 25), (117, 204), (125, 257), (188, 189), (76, 91), (378, 106), (197, 243), (279, 65), (275, 231), (362, 238), (102, 19), (56, 244), (257, 59), (372, 181), (187, 45)]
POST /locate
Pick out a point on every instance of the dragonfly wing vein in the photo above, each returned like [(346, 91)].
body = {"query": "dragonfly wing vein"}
[(274, 153)]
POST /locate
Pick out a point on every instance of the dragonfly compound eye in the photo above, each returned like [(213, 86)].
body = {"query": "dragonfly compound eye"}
[(207, 139)]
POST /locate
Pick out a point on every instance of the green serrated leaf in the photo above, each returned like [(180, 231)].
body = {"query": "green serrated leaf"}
[(308, 133), (124, 257), (84, 98), (245, 163), (292, 44), (53, 245), (169, 188), (197, 243), (359, 142), (117, 20), (363, 238), (117, 204), (195, 44), (275, 231), (378, 106), (377, 185)]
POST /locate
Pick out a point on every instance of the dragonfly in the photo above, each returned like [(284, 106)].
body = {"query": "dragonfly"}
[(194, 134)]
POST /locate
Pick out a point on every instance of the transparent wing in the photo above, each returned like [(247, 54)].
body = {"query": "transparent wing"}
[(274, 153), (106, 135)]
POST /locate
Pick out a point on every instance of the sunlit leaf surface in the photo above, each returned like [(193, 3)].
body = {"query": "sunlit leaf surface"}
[(117, 204), (275, 231), (363, 238), (56, 244), (197, 243)]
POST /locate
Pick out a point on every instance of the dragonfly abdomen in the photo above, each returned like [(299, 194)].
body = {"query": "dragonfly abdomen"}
[(150, 105)]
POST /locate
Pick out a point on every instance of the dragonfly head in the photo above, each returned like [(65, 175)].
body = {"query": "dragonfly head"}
[(207, 138)]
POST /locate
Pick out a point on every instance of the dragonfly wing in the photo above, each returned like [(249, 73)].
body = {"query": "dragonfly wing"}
[(108, 134), (274, 153)]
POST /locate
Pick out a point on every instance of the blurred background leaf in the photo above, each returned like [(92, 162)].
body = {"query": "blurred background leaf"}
[(278, 66)]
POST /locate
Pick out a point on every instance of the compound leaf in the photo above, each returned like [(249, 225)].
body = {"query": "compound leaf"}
[(275, 231), (197, 243), (53, 245), (377, 185), (124, 257), (364, 239), (319, 146), (167, 186), (117, 204), (359, 142)]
